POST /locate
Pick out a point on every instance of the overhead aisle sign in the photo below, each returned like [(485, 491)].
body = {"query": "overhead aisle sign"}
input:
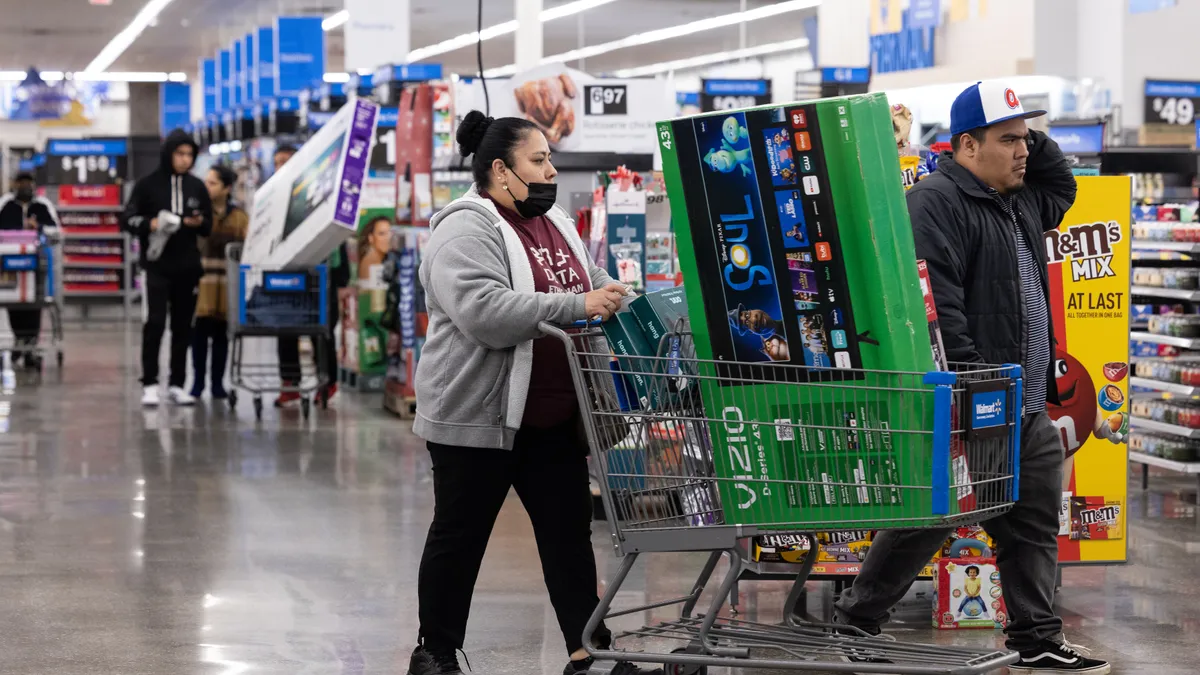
[(265, 55), (208, 77), (225, 67), (174, 105), (250, 69), (1088, 258), (299, 54)]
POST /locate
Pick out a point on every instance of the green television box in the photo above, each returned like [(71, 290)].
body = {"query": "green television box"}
[(800, 272)]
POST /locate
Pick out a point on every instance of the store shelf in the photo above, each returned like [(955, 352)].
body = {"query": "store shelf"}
[(1164, 428), (94, 294), (1185, 343), (1159, 385), (97, 235), (1156, 292), (1191, 468), (1177, 246), (88, 209)]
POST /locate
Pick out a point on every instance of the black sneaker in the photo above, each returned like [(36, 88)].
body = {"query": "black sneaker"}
[(430, 662), (624, 668), (1052, 657)]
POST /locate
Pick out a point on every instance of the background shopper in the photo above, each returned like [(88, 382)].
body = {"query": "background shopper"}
[(230, 224), (496, 403), (22, 209), (288, 347), (978, 222), (172, 200)]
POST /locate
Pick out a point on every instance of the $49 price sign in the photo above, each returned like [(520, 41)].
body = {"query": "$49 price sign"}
[(1171, 102)]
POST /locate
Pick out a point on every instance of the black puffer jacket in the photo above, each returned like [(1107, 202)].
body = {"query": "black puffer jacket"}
[(968, 241), (182, 194)]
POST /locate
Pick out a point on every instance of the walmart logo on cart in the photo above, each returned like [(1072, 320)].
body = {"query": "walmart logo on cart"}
[(988, 409)]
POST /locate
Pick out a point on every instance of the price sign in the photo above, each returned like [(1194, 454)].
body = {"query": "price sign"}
[(734, 94), (1171, 102), (86, 162), (383, 150), (606, 100)]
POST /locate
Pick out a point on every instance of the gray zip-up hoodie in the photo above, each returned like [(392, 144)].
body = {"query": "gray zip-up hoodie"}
[(473, 376)]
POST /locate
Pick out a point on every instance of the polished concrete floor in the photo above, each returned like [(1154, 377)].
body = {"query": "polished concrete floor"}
[(197, 541)]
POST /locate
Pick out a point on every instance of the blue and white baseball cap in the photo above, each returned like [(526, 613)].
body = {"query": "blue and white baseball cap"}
[(984, 104)]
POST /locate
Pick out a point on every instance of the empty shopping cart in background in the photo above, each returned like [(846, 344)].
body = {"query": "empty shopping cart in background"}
[(266, 303), (659, 457)]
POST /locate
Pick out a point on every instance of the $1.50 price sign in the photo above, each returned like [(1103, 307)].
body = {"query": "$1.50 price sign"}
[(1171, 102), (86, 162)]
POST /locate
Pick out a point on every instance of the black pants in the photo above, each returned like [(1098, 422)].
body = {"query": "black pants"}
[(26, 326), (548, 468), (1026, 536), (289, 350), (174, 298), (217, 331)]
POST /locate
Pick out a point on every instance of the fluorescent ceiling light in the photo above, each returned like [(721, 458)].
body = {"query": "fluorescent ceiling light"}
[(12, 75), (719, 57), (334, 20), (336, 77), (668, 33), (126, 76), (467, 39), (117, 46)]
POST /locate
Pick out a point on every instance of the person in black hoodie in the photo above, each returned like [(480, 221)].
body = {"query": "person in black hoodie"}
[(22, 209), (168, 210)]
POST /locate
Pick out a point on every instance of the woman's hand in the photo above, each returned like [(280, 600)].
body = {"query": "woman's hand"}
[(606, 301)]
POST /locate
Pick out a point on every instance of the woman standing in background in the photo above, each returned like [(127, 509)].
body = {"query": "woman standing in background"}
[(230, 223)]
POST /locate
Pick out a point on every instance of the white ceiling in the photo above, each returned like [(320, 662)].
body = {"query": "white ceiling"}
[(68, 34)]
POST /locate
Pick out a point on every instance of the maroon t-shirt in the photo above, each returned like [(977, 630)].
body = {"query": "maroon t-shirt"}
[(551, 400)]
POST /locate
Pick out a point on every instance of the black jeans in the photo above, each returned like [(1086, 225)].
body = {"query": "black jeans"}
[(173, 298), (289, 349), (208, 328), (1026, 538), (26, 326), (548, 468)]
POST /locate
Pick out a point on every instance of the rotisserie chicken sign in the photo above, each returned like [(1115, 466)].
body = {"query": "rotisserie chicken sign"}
[(577, 112)]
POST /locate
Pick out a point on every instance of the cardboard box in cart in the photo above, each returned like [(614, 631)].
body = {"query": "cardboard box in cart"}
[(18, 267), (796, 248)]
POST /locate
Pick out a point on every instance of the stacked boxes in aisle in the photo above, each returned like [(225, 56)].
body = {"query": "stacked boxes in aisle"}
[(795, 243)]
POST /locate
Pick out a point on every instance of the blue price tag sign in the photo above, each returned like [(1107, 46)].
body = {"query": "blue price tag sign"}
[(18, 263)]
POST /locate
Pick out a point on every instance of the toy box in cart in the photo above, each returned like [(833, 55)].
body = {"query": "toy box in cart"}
[(796, 248), (18, 267)]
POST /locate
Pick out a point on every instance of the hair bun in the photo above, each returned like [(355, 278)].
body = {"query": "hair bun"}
[(471, 131)]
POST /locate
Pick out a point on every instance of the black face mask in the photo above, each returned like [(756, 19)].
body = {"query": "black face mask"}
[(24, 194), (540, 200)]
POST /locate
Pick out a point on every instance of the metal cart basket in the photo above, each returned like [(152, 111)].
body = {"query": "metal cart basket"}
[(266, 303), (948, 441), (41, 261)]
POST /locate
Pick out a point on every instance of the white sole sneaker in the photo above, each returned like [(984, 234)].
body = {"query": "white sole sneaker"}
[(150, 398), (180, 397), (1104, 669)]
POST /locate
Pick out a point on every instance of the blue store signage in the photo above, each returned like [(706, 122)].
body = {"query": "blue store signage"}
[(924, 14), (208, 80), (846, 75), (910, 49), (224, 72), (1087, 139), (250, 68), (174, 105), (113, 147), (265, 55), (299, 54), (733, 94)]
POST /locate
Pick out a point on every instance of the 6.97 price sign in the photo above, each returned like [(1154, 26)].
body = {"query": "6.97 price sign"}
[(1171, 102), (87, 161)]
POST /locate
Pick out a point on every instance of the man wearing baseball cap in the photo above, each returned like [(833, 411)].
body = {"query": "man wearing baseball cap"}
[(978, 222)]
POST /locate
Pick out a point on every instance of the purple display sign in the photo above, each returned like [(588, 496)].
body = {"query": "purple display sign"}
[(354, 167)]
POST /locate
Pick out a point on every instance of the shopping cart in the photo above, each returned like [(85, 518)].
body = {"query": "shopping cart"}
[(265, 303), (31, 276), (951, 468)]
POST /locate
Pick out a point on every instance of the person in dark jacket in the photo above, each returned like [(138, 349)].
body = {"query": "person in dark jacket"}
[(22, 209), (978, 221), (168, 211)]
